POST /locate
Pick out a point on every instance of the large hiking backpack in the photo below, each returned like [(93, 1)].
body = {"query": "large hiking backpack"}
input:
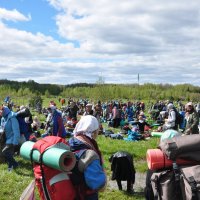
[(25, 128), (169, 184), (52, 184), (177, 181), (25, 112), (185, 147)]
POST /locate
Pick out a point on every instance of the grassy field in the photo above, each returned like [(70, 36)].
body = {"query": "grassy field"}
[(13, 183)]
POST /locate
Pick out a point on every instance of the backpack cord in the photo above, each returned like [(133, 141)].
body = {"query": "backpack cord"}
[(43, 178)]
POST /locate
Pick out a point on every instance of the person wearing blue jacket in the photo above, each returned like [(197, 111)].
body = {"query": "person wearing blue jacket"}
[(90, 164), (56, 121), (10, 125)]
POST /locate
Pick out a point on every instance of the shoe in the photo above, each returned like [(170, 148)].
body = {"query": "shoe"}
[(130, 191), (10, 169), (15, 165)]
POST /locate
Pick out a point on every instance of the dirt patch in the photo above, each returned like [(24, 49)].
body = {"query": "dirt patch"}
[(138, 186)]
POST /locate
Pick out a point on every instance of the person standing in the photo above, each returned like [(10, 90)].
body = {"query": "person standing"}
[(93, 177), (130, 111), (10, 125), (115, 116), (72, 110), (56, 121), (192, 120)]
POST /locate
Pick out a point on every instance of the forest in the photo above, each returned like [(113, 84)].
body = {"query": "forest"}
[(101, 91)]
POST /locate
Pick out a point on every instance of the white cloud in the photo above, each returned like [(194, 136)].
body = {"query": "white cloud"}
[(159, 40), (13, 15)]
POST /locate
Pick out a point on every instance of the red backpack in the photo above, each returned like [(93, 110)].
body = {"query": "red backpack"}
[(52, 184)]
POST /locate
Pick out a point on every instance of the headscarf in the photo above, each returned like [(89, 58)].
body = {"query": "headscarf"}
[(170, 106), (86, 126)]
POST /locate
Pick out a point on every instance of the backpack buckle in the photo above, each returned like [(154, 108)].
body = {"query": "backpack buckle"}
[(192, 183)]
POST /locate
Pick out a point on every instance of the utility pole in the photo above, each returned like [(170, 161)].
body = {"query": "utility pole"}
[(138, 79)]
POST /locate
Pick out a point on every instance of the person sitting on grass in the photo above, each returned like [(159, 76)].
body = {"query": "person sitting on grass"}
[(141, 123)]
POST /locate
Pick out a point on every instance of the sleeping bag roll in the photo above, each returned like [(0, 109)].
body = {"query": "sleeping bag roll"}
[(57, 158), (156, 134), (176, 146)]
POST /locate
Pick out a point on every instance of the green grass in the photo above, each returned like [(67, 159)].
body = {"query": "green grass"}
[(13, 183)]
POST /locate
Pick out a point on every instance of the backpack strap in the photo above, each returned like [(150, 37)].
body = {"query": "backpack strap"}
[(193, 186), (31, 157), (86, 158), (157, 194), (176, 171), (46, 193)]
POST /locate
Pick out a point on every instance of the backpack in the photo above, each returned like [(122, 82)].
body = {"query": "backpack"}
[(179, 117), (59, 179), (184, 147), (25, 128), (181, 183), (178, 180), (24, 113), (108, 132), (52, 184)]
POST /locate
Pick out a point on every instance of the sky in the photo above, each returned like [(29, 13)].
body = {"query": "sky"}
[(81, 41)]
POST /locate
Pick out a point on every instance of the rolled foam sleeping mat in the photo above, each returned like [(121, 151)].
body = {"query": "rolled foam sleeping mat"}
[(57, 158), (156, 159), (156, 134), (176, 146), (155, 125)]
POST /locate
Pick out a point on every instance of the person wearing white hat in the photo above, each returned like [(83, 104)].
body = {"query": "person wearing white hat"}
[(55, 121), (90, 161), (170, 121), (88, 109)]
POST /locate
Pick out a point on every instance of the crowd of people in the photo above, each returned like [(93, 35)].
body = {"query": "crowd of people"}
[(82, 121)]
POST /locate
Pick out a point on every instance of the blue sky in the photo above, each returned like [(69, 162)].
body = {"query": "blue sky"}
[(65, 41)]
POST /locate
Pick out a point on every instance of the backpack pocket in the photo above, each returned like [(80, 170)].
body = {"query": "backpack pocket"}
[(58, 186), (164, 185), (190, 182)]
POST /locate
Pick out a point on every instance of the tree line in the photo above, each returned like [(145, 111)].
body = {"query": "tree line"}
[(102, 91)]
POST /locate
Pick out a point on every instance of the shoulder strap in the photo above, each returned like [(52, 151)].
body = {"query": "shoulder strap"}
[(46, 193), (193, 186), (176, 171), (87, 157)]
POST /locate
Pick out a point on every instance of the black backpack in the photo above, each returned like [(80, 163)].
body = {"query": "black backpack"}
[(179, 117)]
